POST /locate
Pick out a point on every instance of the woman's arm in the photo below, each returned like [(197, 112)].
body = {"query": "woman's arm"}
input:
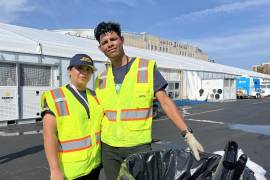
[(51, 146)]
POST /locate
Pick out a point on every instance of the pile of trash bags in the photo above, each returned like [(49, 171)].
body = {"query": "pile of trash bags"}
[(179, 164)]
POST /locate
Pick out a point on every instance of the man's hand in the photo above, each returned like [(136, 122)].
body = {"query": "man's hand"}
[(194, 145)]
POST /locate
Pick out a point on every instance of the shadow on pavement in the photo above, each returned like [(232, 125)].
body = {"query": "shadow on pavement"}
[(25, 152)]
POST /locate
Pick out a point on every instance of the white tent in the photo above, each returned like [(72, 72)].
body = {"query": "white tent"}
[(33, 41), (36, 60)]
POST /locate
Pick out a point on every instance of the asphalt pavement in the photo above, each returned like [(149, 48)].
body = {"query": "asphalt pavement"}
[(214, 124)]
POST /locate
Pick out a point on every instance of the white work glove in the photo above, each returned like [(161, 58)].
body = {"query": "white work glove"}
[(194, 145)]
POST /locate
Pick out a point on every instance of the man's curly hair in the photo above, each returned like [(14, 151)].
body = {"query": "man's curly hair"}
[(105, 27)]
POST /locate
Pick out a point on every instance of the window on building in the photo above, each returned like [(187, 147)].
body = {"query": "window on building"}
[(173, 89), (171, 85), (226, 83), (232, 83), (176, 95), (176, 85), (200, 74)]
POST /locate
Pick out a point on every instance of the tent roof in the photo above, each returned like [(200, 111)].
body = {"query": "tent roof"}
[(26, 40)]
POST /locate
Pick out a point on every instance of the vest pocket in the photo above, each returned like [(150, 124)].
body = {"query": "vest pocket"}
[(138, 119), (143, 98)]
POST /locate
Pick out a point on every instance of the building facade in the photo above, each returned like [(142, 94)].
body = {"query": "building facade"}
[(155, 43), (146, 41), (263, 68)]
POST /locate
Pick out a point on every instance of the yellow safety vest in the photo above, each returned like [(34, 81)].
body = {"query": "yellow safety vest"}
[(79, 136), (128, 114)]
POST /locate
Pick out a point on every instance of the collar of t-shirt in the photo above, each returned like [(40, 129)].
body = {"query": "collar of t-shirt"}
[(119, 74)]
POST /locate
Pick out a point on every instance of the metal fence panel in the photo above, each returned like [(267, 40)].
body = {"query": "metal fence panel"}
[(33, 75), (7, 74)]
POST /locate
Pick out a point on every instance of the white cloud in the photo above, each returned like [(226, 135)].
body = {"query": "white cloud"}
[(248, 38), (225, 8), (249, 45), (11, 9)]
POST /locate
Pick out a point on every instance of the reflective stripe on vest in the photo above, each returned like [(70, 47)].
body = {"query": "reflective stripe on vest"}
[(102, 80), (75, 145), (60, 102), (111, 114), (142, 74), (97, 137), (136, 114)]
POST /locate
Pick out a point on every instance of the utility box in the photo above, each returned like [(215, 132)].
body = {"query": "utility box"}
[(247, 87), (8, 103), (257, 86), (265, 88), (34, 80), (21, 88), (8, 92), (219, 89)]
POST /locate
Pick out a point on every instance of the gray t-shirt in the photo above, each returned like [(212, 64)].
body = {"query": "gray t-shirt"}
[(120, 72)]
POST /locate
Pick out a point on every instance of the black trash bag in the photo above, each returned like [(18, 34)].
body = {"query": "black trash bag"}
[(176, 164), (206, 167), (157, 165)]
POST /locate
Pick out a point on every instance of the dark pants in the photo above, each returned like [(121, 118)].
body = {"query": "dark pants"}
[(93, 175), (112, 157)]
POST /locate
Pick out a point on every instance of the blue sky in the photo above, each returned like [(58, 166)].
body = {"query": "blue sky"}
[(232, 32)]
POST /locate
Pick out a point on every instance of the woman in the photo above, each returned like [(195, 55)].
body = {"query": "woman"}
[(71, 125)]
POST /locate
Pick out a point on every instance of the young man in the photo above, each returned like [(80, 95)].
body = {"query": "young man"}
[(125, 91), (71, 125)]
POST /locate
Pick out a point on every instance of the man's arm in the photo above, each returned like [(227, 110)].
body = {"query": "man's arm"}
[(51, 146), (171, 110), (176, 117)]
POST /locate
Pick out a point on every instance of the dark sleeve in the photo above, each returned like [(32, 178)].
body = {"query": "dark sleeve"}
[(159, 82), (46, 109)]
